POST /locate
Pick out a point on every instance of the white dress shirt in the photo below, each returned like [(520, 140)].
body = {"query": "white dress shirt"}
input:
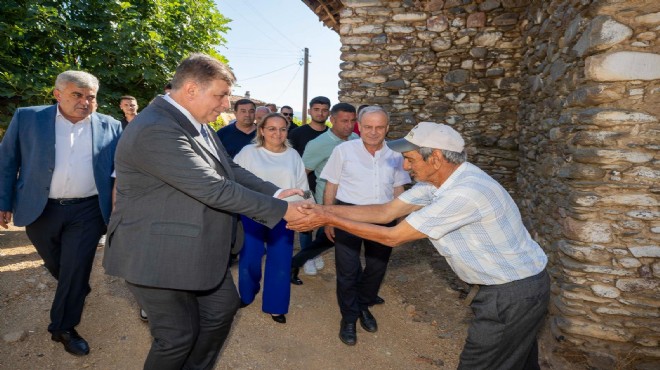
[(73, 175), (364, 178), (197, 125)]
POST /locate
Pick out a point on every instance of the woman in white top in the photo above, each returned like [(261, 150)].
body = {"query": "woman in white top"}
[(272, 159)]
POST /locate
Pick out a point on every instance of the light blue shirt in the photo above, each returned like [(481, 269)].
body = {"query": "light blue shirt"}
[(473, 222)]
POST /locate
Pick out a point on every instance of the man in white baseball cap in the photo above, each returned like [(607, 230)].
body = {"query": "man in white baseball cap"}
[(473, 222), (429, 135)]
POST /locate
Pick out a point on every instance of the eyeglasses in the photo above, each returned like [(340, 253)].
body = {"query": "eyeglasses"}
[(287, 114), (273, 129)]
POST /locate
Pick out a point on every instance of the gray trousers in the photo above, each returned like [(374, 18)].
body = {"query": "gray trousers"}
[(188, 327), (507, 320)]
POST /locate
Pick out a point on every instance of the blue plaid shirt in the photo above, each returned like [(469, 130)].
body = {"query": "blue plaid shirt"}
[(473, 222)]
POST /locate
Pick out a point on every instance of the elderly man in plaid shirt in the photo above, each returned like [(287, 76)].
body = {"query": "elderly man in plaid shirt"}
[(473, 222)]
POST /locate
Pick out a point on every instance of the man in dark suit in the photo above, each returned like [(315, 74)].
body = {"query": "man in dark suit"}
[(178, 199), (56, 164)]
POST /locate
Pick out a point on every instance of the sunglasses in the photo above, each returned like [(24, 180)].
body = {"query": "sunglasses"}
[(287, 114)]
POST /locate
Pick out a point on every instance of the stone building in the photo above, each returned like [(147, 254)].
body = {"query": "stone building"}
[(560, 101)]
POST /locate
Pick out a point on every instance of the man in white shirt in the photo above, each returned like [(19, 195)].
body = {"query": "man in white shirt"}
[(55, 179), (361, 172), (473, 222)]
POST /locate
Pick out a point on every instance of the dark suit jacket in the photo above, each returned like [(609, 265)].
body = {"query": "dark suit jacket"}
[(176, 204), (27, 161)]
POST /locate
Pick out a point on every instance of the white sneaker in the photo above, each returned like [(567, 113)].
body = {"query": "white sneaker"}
[(102, 241), (309, 268), (319, 263)]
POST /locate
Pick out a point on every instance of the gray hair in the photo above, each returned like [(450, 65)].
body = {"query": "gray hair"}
[(78, 78), (454, 157), (202, 69), (263, 107), (451, 157), (373, 109)]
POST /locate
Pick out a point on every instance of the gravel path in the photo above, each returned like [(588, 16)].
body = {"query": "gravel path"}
[(422, 325)]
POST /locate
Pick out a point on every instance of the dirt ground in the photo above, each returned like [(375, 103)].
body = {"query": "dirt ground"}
[(422, 325)]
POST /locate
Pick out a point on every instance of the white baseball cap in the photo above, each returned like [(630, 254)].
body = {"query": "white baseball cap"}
[(429, 135)]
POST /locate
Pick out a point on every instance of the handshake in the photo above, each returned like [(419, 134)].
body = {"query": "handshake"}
[(303, 215)]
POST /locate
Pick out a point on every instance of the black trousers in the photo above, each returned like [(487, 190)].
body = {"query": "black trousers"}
[(358, 287), (188, 327), (66, 237), (507, 318), (318, 246)]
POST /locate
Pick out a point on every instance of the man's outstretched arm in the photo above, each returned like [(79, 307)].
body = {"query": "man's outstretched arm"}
[(329, 215), (374, 213)]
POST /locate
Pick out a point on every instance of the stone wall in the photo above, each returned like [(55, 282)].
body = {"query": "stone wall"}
[(442, 61), (589, 175), (560, 101)]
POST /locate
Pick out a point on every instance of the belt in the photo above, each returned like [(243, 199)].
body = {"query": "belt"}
[(475, 287), (70, 201)]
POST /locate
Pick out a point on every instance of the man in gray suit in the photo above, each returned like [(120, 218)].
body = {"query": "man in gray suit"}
[(179, 195), (56, 163)]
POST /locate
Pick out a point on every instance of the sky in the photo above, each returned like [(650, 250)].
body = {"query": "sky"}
[(265, 50)]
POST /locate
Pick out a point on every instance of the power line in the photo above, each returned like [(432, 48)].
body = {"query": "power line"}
[(270, 50), (267, 73), (289, 84), (270, 24), (237, 56), (250, 23)]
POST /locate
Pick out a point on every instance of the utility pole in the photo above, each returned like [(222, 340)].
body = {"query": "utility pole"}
[(304, 105)]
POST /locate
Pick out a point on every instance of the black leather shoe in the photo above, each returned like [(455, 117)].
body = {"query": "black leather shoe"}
[(279, 318), (295, 280), (347, 333), (368, 321), (72, 341), (376, 301), (143, 315)]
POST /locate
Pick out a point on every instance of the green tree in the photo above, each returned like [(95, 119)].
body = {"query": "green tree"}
[(133, 47)]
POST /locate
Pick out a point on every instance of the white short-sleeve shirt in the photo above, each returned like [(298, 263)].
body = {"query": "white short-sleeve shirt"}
[(364, 178), (474, 223)]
